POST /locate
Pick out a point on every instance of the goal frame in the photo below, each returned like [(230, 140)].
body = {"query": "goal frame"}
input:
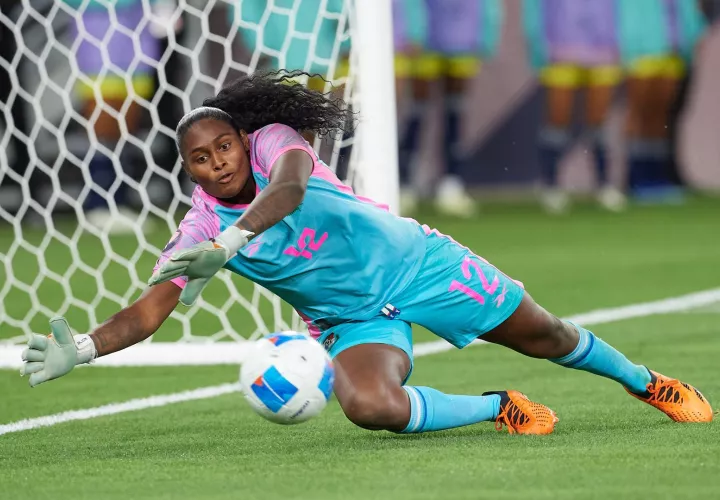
[(375, 161)]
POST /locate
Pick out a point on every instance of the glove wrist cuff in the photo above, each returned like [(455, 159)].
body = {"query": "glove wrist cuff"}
[(233, 239), (86, 351)]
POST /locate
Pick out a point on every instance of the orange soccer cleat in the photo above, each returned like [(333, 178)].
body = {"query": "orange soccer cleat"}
[(679, 401), (522, 416)]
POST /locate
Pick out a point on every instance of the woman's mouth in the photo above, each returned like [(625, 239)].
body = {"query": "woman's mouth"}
[(225, 178)]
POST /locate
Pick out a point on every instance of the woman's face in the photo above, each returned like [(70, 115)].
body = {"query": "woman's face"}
[(216, 156)]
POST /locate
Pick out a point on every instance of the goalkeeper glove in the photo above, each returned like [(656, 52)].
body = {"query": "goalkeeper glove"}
[(201, 262), (51, 357)]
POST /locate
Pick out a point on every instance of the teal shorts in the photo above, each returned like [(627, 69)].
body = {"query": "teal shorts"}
[(456, 295)]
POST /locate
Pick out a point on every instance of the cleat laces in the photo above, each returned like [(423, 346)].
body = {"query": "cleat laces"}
[(664, 391), (512, 416)]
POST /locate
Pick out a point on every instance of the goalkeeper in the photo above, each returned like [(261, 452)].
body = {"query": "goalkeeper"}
[(267, 209)]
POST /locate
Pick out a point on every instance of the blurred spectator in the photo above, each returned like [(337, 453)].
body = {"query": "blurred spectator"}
[(169, 105), (573, 45), (711, 10), (19, 159), (299, 35), (657, 42), (441, 41), (105, 54), (293, 41)]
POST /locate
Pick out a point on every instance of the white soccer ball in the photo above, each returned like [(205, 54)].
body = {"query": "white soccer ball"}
[(287, 378)]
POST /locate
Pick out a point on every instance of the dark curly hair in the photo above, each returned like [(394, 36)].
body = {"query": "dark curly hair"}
[(260, 99)]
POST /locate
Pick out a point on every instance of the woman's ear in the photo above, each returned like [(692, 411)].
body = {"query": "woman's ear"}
[(244, 139)]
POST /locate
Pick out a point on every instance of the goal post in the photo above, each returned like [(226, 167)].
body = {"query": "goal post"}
[(54, 260), (378, 148)]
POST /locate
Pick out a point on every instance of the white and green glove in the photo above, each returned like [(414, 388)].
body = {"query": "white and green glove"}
[(51, 357), (201, 262)]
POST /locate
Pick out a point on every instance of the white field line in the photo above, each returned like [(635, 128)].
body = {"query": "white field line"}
[(115, 408), (599, 316)]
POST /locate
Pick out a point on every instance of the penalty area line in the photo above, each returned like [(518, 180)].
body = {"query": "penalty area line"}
[(596, 317)]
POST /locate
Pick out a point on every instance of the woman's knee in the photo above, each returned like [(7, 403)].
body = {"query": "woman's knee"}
[(557, 339), (378, 408), (368, 386), (534, 332)]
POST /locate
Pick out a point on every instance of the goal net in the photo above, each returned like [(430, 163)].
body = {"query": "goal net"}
[(74, 66)]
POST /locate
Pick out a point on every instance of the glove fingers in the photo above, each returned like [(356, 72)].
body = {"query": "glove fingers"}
[(192, 291), (163, 277), (176, 274), (193, 251), (38, 378), (28, 368), (188, 254), (155, 279), (38, 342), (61, 330), (173, 265), (33, 355)]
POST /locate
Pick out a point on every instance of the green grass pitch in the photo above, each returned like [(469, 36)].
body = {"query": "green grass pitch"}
[(606, 445)]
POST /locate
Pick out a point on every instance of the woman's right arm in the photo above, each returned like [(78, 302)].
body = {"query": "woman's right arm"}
[(51, 357), (138, 321)]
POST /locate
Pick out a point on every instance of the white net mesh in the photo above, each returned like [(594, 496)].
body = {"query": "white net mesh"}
[(66, 63)]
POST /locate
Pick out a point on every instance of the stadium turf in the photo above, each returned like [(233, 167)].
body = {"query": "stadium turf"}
[(606, 445)]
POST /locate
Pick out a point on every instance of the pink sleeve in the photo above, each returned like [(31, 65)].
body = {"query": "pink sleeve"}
[(270, 142), (199, 224)]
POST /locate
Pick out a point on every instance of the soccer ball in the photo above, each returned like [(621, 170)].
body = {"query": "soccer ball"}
[(287, 378)]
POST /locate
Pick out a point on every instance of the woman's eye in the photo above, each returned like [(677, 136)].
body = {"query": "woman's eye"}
[(225, 146), (200, 159)]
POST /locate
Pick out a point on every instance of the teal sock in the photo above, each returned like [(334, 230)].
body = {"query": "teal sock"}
[(431, 410), (596, 356)]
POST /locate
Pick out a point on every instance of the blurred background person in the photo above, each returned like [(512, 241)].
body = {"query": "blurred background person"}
[(16, 155), (105, 54), (657, 40), (305, 41), (409, 27), (170, 29), (711, 11), (572, 44), (441, 41)]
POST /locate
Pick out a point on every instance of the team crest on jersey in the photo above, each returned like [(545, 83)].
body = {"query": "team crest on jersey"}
[(329, 341), (391, 311)]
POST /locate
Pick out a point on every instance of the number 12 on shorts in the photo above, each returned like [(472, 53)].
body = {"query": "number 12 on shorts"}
[(488, 287)]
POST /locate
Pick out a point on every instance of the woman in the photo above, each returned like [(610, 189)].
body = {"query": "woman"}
[(656, 54), (573, 46), (267, 209), (113, 41), (445, 42)]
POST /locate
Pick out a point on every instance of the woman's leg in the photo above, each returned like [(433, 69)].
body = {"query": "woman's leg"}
[(368, 386), (532, 331), (451, 196), (602, 83), (460, 296), (555, 134), (650, 97), (371, 368)]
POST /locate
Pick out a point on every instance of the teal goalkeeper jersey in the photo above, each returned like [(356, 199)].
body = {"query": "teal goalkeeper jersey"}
[(338, 257)]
